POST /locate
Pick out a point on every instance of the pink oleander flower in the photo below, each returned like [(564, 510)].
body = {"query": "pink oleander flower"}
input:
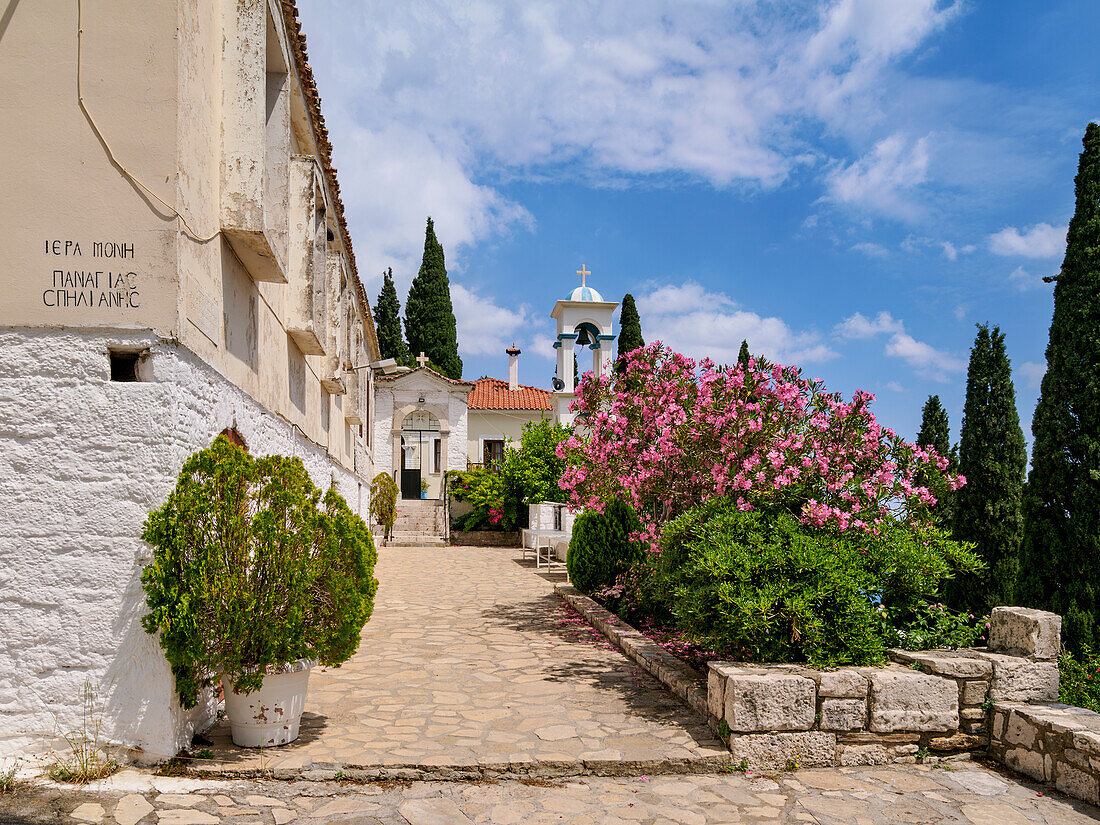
[(668, 433)]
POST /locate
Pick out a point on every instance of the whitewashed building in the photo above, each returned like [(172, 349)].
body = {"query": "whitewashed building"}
[(175, 263)]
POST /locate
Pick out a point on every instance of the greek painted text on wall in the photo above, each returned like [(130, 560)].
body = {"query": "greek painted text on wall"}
[(111, 288)]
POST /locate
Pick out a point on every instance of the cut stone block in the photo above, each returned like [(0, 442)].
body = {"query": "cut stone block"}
[(773, 751), (769, 701), (1016, 679), (1020, 731), (842, 684), (958, 664), (906, 700), (1029, 763), (843, 714), (974, 691), (1075, 782), (957, 742), (1021, 631)]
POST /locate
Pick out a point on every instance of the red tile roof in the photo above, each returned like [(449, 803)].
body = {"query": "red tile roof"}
[(493, 394)]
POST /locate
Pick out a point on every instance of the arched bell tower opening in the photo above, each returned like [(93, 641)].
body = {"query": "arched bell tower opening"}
[(584, 319)]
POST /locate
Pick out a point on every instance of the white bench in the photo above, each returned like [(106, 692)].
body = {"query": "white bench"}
[(540, 541)]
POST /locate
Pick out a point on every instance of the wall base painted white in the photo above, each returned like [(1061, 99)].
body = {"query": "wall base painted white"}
[(82, 462)]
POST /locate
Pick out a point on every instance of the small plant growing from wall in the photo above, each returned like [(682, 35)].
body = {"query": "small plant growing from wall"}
[(254, 568), (383, 503), (85, 757)]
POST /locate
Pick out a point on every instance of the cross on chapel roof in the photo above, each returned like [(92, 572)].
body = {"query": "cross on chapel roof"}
[(584, 273), (422, 359)]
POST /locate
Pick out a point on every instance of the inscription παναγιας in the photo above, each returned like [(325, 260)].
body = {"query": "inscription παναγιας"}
[(92, 288)]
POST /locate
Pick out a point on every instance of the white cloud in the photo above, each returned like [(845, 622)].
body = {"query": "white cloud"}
[(484, 327), (883, 179), (924, 358), (409, 178), (951, 252), (871, 250), (960, 312), (1032, 373), (858, 326), (1024, 280), (704, 324), (432, 105), (1039, 241), (894, 386)]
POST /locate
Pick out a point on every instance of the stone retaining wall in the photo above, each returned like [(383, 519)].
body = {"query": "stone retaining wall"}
[(1053, 743), (929, 702), (937, 704)]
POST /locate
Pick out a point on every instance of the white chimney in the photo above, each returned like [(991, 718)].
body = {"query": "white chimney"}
[(513, 368)]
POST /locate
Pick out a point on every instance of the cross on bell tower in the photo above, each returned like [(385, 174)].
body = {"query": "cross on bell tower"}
[(584, 273)]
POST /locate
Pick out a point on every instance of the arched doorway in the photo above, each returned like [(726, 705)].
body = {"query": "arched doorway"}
[(418, 432)]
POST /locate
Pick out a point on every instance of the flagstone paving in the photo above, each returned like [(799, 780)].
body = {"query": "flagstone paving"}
[(470, 660), (892, 795)]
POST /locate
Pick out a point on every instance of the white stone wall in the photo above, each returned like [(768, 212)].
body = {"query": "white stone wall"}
[(82, 462)]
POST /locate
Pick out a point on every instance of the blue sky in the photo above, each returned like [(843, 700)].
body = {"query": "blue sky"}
[(850, 185)]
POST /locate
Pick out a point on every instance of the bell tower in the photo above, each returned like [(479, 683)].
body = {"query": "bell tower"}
[(584, 318)]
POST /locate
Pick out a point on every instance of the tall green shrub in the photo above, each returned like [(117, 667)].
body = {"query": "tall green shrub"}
[(387, 319), (630, 330), (1062, 546), (935, 433), (429, 316), (251, 568), (743, 354), (765, 587), (993, 458), (601, 548)]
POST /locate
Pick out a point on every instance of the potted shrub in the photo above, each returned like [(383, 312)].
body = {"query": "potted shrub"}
[(255, 578), (423, 488)]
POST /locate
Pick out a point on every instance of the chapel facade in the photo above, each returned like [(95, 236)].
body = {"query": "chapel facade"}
[(176, 264)]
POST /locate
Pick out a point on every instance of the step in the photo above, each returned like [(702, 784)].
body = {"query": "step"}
[(416, 541)]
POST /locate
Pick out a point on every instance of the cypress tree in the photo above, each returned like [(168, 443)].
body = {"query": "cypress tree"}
[(935, 432), (630, 330), (387, 318), (429, 316), (743, 354), (993, 457), (1061, 558)]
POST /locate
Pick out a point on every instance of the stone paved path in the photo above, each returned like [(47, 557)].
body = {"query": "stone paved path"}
[(893, 795), (471, 660)]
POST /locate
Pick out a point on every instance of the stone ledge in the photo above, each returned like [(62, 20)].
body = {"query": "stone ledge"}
[(956, 664), (654, 659), (1053, 743)]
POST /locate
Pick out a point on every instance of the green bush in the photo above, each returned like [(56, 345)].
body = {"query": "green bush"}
[(252, 568), (383, 503), (1079, 680), (601, 549), (765, 587), (934, 625)]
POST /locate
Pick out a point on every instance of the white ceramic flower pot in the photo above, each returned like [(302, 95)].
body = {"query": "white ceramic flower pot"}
[(269, 716)]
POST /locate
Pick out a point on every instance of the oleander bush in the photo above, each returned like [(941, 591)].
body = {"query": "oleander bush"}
[(603, 547), (254, 568), (767, 587)]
